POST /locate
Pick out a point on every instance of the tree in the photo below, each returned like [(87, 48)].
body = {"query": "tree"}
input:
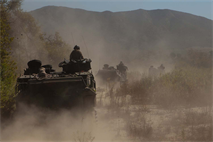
[(22, 41), (56, 47), (7, 66), (30, 43)]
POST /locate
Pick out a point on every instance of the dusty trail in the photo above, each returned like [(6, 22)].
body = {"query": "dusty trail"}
[(113, 123), (127, 122), (33, 124)]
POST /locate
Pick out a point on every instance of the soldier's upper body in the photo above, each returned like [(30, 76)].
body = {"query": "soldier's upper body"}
[(122, 67), (76, 54), (161, 67)]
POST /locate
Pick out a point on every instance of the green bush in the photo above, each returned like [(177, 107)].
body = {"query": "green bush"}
[(56, 48), (8, 66)]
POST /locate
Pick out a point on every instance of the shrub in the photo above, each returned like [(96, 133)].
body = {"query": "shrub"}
[(189, 83), (7, 67)]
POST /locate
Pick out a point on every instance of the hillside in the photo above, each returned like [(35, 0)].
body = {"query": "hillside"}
[(125, 35)]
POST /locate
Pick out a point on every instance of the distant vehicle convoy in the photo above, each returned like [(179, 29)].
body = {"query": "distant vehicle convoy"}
[(109, 73), (74, 87)]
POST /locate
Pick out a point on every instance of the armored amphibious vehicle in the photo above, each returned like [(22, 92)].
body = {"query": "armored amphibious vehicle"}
[(42, 86), (110, 74)]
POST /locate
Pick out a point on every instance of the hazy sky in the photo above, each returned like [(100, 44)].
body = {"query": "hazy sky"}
[(197, 7)]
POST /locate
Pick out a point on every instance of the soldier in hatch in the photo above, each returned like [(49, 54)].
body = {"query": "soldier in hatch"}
[(161, 69), (76, 54), (122, 68)]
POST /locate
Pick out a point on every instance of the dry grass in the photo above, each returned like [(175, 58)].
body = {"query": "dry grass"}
[(83, 137), (182, 100)]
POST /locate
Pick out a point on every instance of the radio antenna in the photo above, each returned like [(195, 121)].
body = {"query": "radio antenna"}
[(73, 39), (99, 62), (85, 45)]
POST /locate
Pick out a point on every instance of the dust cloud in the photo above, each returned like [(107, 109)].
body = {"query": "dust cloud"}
[(37, 124), (97, 42), (103, 45), (136, 58)]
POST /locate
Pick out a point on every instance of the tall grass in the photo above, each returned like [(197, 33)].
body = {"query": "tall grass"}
[(174, 98), (185, 86), (188, 84)]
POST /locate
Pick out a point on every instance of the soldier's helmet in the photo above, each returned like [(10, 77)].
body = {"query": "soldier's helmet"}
[(76, 47), (121, 63)]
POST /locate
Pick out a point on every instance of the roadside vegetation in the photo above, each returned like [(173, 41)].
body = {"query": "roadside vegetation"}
[(188, 84), (8, 66), (174, 106), (22, 41)]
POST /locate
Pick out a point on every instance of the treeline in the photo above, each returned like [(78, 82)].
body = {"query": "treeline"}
[(30, 43), (21, 41), (188, 84)]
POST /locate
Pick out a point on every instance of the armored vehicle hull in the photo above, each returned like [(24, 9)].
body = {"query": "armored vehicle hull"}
[(105, 76), (57, 90)]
